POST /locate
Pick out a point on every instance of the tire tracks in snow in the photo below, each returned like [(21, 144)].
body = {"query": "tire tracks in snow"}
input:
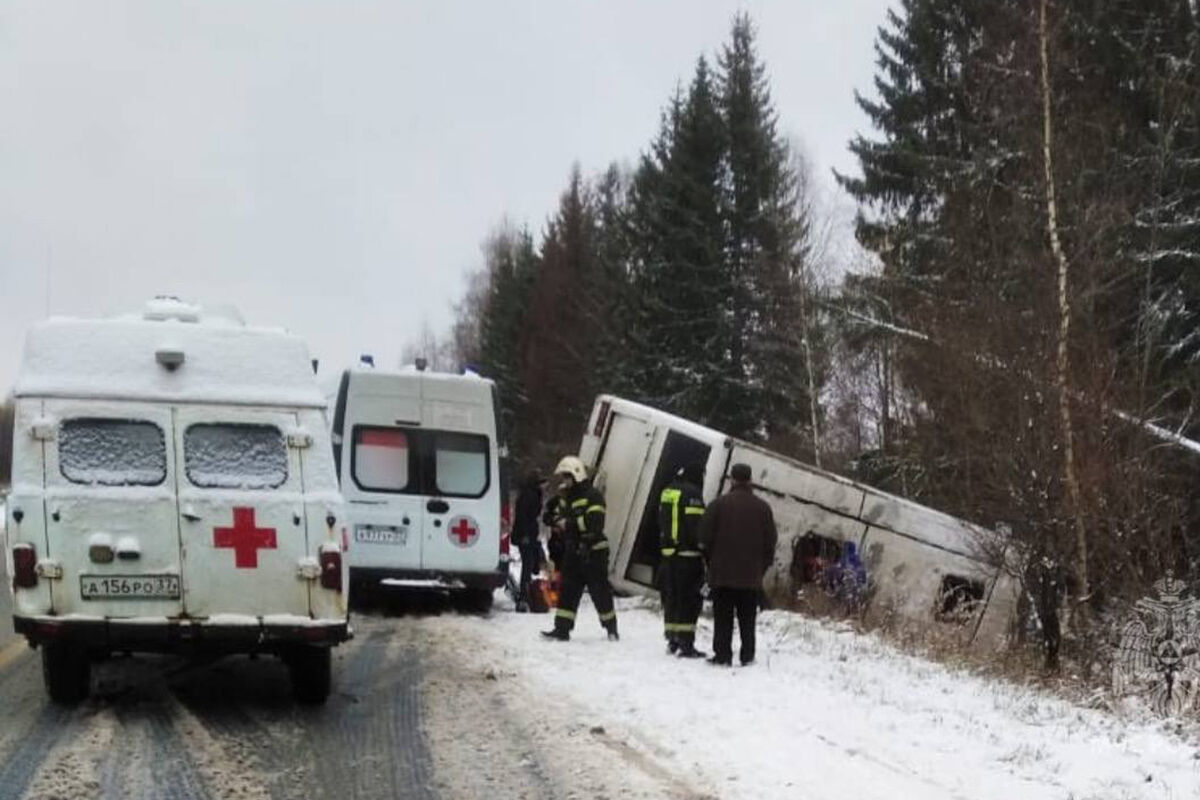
[(31, 728), (482, 717), (72, 770), (367, 742)]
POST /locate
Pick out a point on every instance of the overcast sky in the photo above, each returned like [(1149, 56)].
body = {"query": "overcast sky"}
[(331, 167)]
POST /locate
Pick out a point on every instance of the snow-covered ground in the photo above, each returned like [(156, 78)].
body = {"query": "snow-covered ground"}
[(824, 713)]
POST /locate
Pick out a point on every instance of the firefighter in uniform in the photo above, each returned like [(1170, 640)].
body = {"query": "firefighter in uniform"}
[(585, 551), (681, 570)]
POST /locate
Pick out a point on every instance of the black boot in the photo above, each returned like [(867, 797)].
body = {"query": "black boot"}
[(613, 636), (560, 634), (672, 646), (688, 650)]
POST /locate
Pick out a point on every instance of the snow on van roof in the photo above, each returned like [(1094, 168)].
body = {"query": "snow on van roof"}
[(172, 352), (408, 372)]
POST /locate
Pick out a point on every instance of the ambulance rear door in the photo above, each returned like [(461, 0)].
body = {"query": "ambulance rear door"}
[(111, 510), (241, 512), (462, 482)]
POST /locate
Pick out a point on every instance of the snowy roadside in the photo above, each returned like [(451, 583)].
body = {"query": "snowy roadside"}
[(826, 712)]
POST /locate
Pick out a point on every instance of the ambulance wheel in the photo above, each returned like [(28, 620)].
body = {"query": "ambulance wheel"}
[(312, 674), (477, 601), (362, 593), (67, 673)]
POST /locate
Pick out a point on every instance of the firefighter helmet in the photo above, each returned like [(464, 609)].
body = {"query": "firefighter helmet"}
[(572, 466)]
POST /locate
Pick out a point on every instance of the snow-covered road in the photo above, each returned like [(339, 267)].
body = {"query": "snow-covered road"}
[(448, 706), (825, 713)]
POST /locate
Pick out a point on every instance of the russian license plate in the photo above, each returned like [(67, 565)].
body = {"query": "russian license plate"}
[(381, 534), (129, 587)]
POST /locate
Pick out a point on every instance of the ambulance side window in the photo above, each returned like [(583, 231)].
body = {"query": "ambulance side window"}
[(112, 452), (227, 455), (384, 460), (461, 464)]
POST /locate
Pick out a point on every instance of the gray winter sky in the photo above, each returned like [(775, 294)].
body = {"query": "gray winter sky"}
[(332, 167)]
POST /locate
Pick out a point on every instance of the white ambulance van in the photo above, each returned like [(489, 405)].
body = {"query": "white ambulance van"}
[(173, 491), (418, 456)]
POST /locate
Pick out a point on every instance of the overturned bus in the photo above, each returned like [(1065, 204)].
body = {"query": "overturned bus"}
[(922, 565)]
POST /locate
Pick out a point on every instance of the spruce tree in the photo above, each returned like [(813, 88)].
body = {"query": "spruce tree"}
[(564, 325), (766, 393), (681, 281), (511, 268), (610, 283)]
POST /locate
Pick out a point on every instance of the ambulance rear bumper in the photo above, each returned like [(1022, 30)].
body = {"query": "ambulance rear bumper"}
[(426, 579), (181, 635)]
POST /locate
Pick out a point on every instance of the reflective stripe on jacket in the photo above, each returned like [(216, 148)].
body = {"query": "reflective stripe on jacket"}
[(680, 509), (585, 517)]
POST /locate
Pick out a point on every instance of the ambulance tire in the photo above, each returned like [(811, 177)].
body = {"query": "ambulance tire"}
[(476, 601), (311, 670), (67, 672)]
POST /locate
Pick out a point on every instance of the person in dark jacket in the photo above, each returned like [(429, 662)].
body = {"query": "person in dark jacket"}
[(681, 569), (737, 536), (585, 551), (526, 534)]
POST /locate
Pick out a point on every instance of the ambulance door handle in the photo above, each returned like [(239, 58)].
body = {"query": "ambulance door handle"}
[(437, 506), (190, 514)]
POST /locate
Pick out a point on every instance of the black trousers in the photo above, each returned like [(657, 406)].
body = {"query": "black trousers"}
[(687, 576), (585, 570), (531, 562), (727, 602), (666, 593)]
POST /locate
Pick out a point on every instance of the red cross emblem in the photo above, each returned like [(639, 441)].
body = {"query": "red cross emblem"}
[(463, 531), (245, 539)]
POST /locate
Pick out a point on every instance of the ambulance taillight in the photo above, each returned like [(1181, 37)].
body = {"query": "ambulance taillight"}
[(331, 570), (24, 566), (505, 528)]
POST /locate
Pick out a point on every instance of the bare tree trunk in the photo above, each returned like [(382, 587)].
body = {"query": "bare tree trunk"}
[(1063, 364), (808, 366), (885, 397)]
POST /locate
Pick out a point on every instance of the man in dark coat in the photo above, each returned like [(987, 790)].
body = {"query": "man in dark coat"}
[(737, 535), (526, 533)]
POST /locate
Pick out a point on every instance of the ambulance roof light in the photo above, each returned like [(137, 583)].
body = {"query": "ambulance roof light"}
[(169, 357)]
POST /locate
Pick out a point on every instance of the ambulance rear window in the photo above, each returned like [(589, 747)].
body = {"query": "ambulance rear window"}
[(382, 460), (112, 452), (230, 455), (462, 464)]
